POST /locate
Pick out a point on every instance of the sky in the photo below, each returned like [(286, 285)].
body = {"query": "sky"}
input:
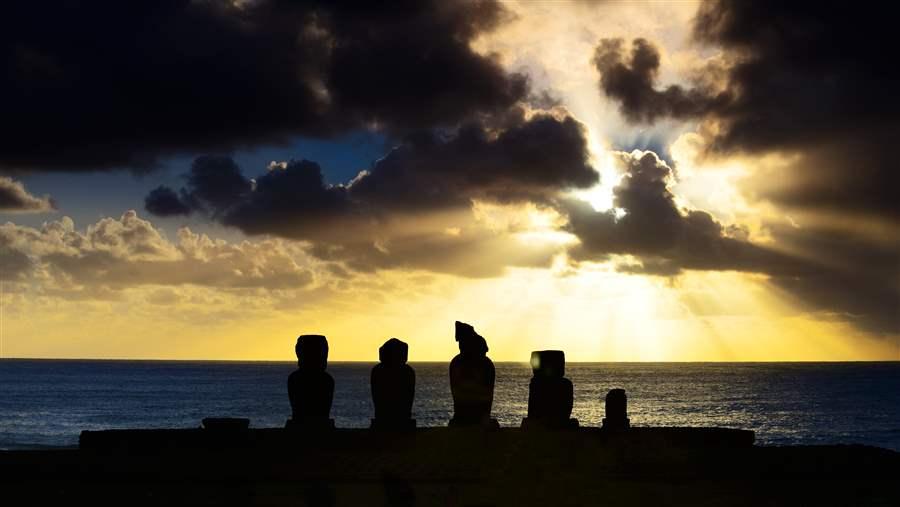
[(624, 181)]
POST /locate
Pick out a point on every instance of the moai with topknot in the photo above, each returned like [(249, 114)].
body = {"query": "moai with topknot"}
[(472, 380)]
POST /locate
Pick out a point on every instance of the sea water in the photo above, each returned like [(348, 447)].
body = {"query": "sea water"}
[(47, 403)]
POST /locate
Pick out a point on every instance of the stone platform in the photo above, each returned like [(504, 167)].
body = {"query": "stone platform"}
[(446, 466)]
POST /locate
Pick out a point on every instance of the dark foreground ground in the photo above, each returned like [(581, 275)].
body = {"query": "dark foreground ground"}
[(447, 467)]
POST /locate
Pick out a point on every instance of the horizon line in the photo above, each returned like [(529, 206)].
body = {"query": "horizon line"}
[(375, 361)]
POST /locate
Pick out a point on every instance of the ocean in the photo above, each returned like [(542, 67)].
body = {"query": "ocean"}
[(47, 403)]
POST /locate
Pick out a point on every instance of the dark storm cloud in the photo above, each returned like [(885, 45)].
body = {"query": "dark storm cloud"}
[(807, 80), (630, 76), (654, 229), (529, 160), (812, 83), (803, 74), (845, 276), (14, 198), (110, 84), (164, 202), (292, 202), (814, 80), (409, 63), (214, 184), (397, 213)]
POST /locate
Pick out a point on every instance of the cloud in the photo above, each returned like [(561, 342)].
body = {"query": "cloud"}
[(215, 184), (827, 270), (164, 296), (525, 159), (847, 276), (15, 199), (812, 84), (817, 84), (130, 252), (811, 88), (630, 79), (383, 227), (398, 212), (290, 200), (521, 157), (164, 202), (293, 202), (110, 85), (14, 264), (411, 64), (664, 237)]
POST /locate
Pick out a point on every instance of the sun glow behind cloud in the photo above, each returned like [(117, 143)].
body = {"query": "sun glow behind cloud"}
[(594, 314), (600, 197)]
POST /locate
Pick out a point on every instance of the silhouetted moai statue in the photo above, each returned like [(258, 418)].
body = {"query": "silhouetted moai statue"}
[(310, 387), (393, 387), (616, 411), (550, 394), (471, 380)]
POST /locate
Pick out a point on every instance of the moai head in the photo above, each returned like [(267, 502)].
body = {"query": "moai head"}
[(470, 342), (548, 363), (393, 353), (312, 351)]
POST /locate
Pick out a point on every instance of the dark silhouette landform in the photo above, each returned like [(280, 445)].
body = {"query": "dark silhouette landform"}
[(549, 461)]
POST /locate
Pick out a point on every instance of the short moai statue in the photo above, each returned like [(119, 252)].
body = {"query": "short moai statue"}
[(472, 380), (393, 387), (550, 394), (310, 387), (616, 411)]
